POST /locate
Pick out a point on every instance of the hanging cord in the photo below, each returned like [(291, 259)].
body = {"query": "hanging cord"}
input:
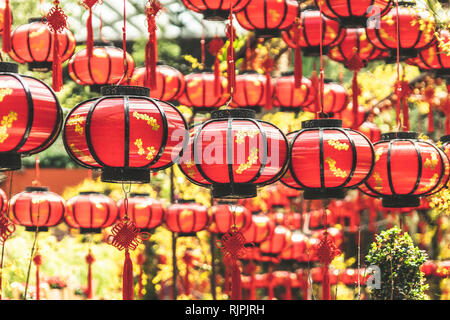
[(398, 88), (359, 262), (322, 82), (124, 43)]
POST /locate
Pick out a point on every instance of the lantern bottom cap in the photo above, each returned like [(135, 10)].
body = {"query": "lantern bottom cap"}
[(34, 229), (400, 201), (216, 15), (40, 66), (90, 230), (129, 175), (327, 193), (267, 33), (186, 234), (10, 161), (233, 190), (353, 22)]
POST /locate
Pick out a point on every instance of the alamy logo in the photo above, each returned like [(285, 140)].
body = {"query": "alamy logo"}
[(374, 15), (374, 279)]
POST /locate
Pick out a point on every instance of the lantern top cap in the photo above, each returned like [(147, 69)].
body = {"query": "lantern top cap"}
[(31, 189), (399, 135), (445, 138), (125, 91), (287, 73), (139, 194), (9, 67), (185, 201), (89, 192), (233, 113), (322, 123)]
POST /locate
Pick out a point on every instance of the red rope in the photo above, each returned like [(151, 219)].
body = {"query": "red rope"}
[(321, 85), (398, 110), (124, 42)]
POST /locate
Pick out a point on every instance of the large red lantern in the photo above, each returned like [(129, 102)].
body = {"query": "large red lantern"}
[(186, 218), (223, 216), (354, 13), (31, 117), (90, 212), (250, 91), (105, 67), (201, 94), (32, 44), (248, 153), (436, 57), (146, 213), (326, 159), (169, 82), (260, 229), (36, 208), (308, 37), (290, 98), (268, 17), (416, 31), (215, 10), (406, 169), (125, 133), (335, 99), (275, 244)]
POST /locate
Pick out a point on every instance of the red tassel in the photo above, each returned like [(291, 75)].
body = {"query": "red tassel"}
[(57, 82), (355, 92), (152, 9), (89, 260), (90, 35), (325, 283), (236, 292), (315, 90), (128, 283), (298, 67), (252, 287), (268, 91), (226, 288), (7, 28), (214, 47), (231, 67)]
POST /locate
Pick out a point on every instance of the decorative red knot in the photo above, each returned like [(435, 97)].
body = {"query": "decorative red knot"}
[(326, 251), (140, 259), (355, 63), (215, 45), (232, 244), (152, 8), (125, 235), (37, 259), (403, 89), (7, 228), (268, 64), (56, 19), (90, 258), (90, 3)]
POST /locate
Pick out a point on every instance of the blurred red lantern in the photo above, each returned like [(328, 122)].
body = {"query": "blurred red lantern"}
[(354, 13), (346, 116), (428, 268), (32, 44), (215, 10), (259, 230), (90, 212), (186, 218), (200, 93), (268, 17), (37, 208), (290, 98), (297, 250), (3, 202), (105, 67), (406, 169), (371, 131), (250, 91), (125, 133), (169, 82), (443, 269), (326, 159), (280, 240), (416, 31), (223, 216), (436, 57), (31, 116), (335, 99), (146, 213), (248, 153), (308, 39)]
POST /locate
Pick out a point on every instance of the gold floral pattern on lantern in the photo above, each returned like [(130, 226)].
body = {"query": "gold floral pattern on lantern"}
[(151, 151), (5, 124), (337, 172), (431, 163), (378, 181), (76, 121), (150, 120), (241, 134), (5, 92), (252, 159), (430, 184), (338, 145)]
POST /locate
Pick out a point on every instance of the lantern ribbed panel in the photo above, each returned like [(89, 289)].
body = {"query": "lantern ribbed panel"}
[(221, 216), (371, 131), (435, 57), (3, 202)]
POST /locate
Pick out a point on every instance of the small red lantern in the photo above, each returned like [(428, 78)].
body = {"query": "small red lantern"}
[(354, 13), (290, 98), (371, 131), (186, 218), (326, 159), (36, 208), (223, 216), (105, 67), (250, 91), (90, 212), (248, 153), (309, 35), (416, 31), (31, 116), (275, 244), (334, 101), (215, 10), (268, 17), (347, 116), (260, 229), (200, 92), (145, 212), (436, 58), (169, 82), (406, 169), (125, 133), (32, 44)]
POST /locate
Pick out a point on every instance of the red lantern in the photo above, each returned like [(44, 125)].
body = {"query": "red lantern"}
[(260, 229), (334, 101), (327, 159), (406, 169), (36, 208), (105, 67), (268, 17), (371, 131), (125, 133), (31, 116), (186, 218), (248, 153), (275, 244), (145, 212), (347, 116), (215, 10), (169, 82), (297, 250), (90, 212), (223, 216), (436, 58), (354, 13), (416, 31), (290, 98), (250, 91), (309, 35), (32, 44), (200, 94)]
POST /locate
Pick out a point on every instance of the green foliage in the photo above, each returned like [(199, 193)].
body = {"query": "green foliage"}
[(399, 262)]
